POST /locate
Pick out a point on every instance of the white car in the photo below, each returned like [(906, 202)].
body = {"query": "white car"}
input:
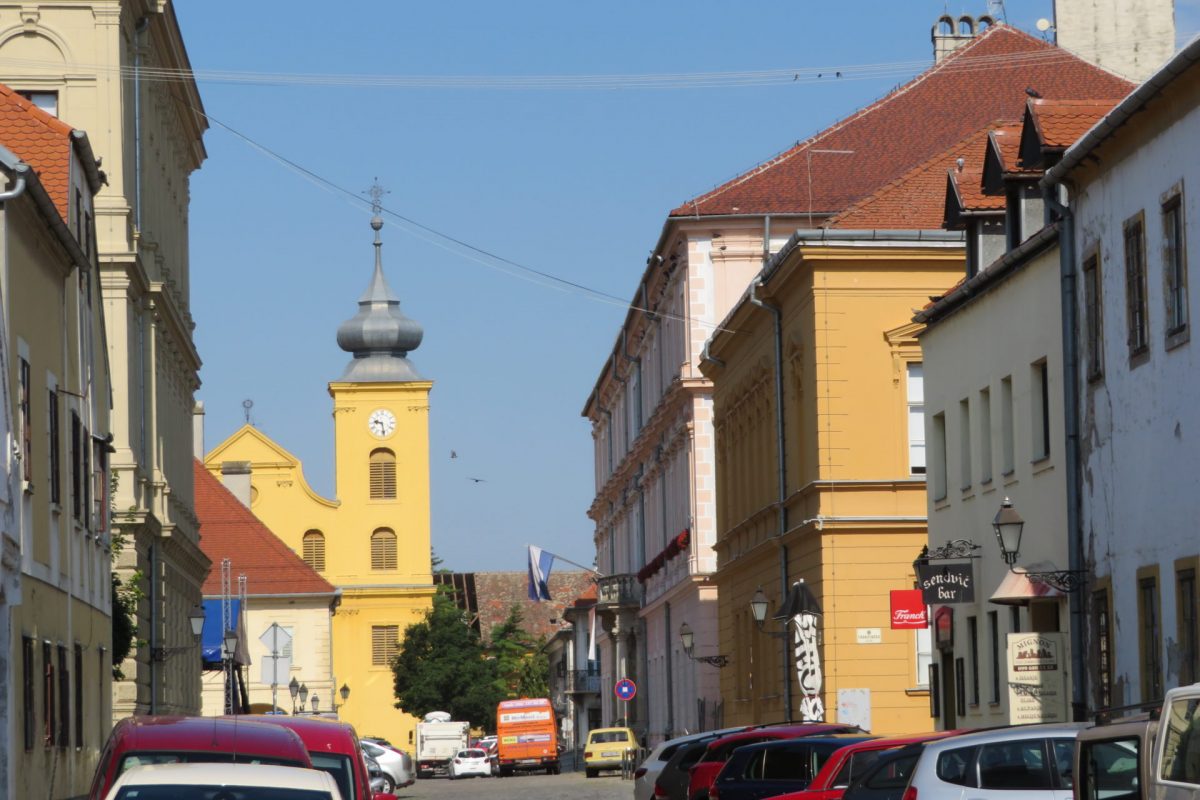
[(234, 781), (470, 762), (395, 763)]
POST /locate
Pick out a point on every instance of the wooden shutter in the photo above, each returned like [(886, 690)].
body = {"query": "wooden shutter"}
[(383, 549), (385, 643), (314, 550), (383, 475)]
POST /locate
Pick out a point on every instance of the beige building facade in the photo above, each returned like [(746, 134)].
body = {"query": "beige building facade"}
[(84, 61)]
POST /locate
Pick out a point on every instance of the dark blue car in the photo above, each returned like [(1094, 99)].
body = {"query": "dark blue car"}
[(770, 768)]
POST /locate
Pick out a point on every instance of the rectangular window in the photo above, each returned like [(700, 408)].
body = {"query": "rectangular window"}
[(28, 684), (1102, 648), (997, 649), (46, 101), (1135, 286), (915, 386), (76, 466), (984, 426), (48, 715), (26, 422), (64, 699), (960, 686), (99, 485), (54, 446), (964, 443), (1007, 438), (79, 695), (924, 654), (1150, 632), (385, 644), (1175, 265), (973, 643), (1093, 319), (938, 437), (1040, 416), (86, 446), (1189, 632)]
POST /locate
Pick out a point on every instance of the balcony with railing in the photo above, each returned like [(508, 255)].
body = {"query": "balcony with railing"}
[(582, 681), (618, 593)]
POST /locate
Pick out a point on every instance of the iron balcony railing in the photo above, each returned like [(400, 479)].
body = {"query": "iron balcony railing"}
[(581, 681)]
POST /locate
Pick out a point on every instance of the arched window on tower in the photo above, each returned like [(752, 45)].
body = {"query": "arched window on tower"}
[(314, 550), (383, 474), (383, 549)]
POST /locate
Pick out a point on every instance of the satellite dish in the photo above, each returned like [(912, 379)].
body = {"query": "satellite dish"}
[(1043, 24)]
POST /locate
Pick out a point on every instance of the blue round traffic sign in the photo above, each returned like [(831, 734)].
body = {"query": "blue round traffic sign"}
[(625, 689)]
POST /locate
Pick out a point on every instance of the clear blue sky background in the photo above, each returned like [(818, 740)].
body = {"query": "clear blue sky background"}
[(574, 182)]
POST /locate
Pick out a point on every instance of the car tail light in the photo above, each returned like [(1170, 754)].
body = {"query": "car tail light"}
[(910, 793), (587, 753), (639, 772), (456, 761), (660, 790), (715, 794)]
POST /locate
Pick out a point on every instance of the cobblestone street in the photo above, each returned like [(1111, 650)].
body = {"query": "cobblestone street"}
[(536, 786)]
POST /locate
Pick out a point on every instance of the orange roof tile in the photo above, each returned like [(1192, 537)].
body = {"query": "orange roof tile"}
[(1006, 147), (917, 199), (229, 530), (41, 140), (1059, 123), (979, 83)]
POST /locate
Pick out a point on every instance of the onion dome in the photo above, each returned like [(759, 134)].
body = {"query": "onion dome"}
[(379, 336)]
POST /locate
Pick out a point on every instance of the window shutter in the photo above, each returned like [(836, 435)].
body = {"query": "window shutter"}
[(314, 550), (383, 549), (383, 475), (385, 644)]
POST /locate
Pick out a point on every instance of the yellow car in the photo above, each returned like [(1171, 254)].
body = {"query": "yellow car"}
[(607, 748)]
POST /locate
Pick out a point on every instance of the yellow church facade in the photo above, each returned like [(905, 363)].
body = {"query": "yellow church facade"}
[(372, 541)]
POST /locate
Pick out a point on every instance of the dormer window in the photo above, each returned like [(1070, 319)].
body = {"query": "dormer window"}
[(46, 101)]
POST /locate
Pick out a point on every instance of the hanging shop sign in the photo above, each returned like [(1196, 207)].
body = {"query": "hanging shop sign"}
[(1037, 685), (909, 610), (946, 583)]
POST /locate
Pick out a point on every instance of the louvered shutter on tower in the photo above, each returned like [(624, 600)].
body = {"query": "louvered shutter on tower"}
[(314, 550), (383, 475), (383, 549), (385, 643)]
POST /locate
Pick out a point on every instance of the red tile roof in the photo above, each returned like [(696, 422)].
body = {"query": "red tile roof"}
[(41, 140), (968, 185), (1059, 123), (1005, 144), (917, 199), (982, 81), (229, 530)]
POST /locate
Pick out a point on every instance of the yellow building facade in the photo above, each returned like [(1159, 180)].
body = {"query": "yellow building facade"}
[(830, 318), (372, 542)]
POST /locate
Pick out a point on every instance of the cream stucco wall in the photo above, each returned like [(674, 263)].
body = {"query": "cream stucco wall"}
[(1132, 38)]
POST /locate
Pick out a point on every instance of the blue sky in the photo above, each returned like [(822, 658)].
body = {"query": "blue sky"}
[(571, 181)]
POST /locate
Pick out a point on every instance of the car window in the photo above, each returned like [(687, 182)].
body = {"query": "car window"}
[(691, 756), (1181, 741), (1064, 760), (893, 774), (856, 766), (787, 764), (372, 750), (472, 754), (667, 752), (131, 760), (340, 768), (606, 737), (957, 766), (177, 792), (1111, 769), (1019, 764)]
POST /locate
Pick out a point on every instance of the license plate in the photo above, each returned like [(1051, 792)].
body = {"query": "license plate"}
[(611, 753)]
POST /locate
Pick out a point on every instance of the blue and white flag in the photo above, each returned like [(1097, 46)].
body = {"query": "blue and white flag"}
[(539, 573)]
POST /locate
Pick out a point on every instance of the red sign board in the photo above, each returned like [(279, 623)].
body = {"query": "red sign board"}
[(909, 609)]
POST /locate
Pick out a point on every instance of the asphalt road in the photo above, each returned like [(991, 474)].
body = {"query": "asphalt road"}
[(524, 786)]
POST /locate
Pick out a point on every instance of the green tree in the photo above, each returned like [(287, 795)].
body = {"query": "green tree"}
[(442, 666), (535, 673), (509, 648)]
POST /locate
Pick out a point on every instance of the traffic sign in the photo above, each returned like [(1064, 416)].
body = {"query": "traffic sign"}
[(625, 689)]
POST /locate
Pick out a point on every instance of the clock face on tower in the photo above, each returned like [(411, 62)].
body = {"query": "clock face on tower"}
[(381, 423)]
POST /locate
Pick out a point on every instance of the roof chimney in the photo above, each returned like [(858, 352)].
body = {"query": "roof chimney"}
[(949, 34), (198, 430), (236, 477)]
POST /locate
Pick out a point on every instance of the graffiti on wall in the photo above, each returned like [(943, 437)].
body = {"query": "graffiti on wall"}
[(808, 668)]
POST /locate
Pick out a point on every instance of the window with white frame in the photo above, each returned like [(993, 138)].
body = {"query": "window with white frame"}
[(924, 641), (915, 389)]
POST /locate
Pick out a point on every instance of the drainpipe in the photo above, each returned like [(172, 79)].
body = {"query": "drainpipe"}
[(154, 640), (1066, 262), (670, 731), (142, 25), (781, 453), (17, 190)]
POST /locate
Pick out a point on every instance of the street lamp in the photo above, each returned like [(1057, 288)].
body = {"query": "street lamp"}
[(688, 640), (293, 690), (230, 641), (758, 607), (344, 692), (315, 702), (1009, 526), (303, 695), (196, 620)]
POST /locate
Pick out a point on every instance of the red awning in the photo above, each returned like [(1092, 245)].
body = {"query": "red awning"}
[(1017, 590)]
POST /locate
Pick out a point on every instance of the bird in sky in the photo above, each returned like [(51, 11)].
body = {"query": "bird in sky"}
[(477, 480), (453, 454)]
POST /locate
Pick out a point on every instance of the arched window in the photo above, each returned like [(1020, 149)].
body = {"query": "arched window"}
[(383, 549), (966, 26), (945, 26), (383, 475), (314, 550)]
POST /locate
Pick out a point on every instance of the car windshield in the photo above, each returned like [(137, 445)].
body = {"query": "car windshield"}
[(132, 760), (607, 737), (340, 768), (186, 792)]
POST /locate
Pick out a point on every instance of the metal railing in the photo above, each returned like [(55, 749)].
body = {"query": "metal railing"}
[(581, 681), (622, 591)]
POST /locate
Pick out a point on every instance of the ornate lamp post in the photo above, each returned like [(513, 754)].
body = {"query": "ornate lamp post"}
[(688, 640), (293, 690), (1009, 526)]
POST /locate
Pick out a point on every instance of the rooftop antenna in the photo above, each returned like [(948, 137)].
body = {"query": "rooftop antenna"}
[(247, 404), (997, 11)]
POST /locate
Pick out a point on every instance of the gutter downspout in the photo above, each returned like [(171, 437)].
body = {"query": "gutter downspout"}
[(1067, 273), (784, 584)]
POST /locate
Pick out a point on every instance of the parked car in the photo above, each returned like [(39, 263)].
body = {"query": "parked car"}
[(672, 781), (888, 778), (1032, 762), (333, 747), (137, 741), (705, 771), (395, 763), (186, 781), (380, 782), (607, 748), (470, 763), (770, 768), (645, 776), (853, 761)]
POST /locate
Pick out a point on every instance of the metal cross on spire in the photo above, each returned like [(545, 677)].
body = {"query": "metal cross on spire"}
[(376, 193)]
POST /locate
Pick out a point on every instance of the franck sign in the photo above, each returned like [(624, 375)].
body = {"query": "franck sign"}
[(943, 584)]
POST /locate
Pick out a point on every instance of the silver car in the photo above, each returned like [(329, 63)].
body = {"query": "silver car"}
[(1029, 762), (395, 763)]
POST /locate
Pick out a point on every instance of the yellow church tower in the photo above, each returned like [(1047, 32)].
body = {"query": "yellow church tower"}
[(372, 542)]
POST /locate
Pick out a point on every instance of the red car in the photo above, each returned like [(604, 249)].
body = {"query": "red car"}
[(333, 747), (851, 762), (704, 772), (135, 741)]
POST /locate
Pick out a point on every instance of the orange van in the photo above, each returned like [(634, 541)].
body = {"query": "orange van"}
[(526, 736)]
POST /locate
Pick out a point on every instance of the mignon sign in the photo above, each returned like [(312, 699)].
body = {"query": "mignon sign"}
[(946, 583)]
